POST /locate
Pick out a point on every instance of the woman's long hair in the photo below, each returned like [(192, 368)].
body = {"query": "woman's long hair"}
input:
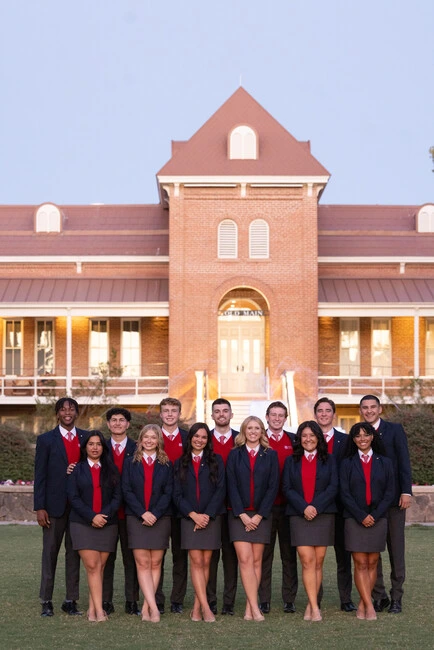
[(109, 472), (377, 444), (208, 454), (241, 437), (321, 448), (162, 457)]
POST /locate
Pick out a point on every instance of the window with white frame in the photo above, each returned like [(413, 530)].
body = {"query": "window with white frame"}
[(429, 347), (47, 218), (13, 347), (349, 354), (227, 240), (259, 239), (130, 348), (381, 360), (45, 347), (243, 144), (98, 346)]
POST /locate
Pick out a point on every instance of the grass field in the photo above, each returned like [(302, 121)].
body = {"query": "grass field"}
[(21, 626)]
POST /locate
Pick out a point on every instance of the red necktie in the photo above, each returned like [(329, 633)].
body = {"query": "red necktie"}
[(171, 437), (196, 459), (365, 458), (252, 452), (222, 440), (149, 460), (275, 437), (70, 436), (117, 449), (310, 457)]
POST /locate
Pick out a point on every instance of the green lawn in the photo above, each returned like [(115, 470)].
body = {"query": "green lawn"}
[(22, 627)]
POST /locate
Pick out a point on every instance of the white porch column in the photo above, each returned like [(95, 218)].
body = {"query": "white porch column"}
[(68, 352), (200, 400), (288, 390), (416, 364)]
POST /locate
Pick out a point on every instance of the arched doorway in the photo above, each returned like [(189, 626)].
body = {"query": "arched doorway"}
[(242, 326)]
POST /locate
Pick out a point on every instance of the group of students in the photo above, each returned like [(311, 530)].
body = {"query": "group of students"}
[(220, 491)]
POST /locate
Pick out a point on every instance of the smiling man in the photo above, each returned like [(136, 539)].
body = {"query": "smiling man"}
[(55, 451), (395, 442)]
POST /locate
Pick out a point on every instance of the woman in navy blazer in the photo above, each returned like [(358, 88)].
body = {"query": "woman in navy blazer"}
[(94, 492), (199, 495), (367, 490), (253, 481), (147, 486), (310, 485)]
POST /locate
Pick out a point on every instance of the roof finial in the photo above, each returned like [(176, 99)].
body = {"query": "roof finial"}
[(240, 81)]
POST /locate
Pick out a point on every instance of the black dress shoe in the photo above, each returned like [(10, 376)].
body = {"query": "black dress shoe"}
[(108, 607), (381, 604), (131, 608), (160, 607), (176, 608), (289, 608), (47, 608), (395, 607), (348, 607), (213, 607), (228, 610), (265, 608), (70, 607)]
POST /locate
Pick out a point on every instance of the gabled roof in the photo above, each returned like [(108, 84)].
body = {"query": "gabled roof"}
[(206, 152)]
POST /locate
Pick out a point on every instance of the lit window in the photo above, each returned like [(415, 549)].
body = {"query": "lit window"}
[(98, 348), (259, 239), (227, 239), (48, 218), (45, 347), (13, 347), (349, 356), (381, 348), (130, 346), (243, 144)]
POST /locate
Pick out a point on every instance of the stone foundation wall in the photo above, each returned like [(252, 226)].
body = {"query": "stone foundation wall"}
[(16, 504)]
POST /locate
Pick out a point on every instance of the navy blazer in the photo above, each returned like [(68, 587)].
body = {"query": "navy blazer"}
[(395, 442), (80, 494), (133, 484), (326, 486), (340, 442), (211, 495), (353, 487), (265, 479), (51, 462)]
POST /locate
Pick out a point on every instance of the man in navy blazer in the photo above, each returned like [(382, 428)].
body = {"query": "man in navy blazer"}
[(121, 447), (395, 442), (54, 451), (325, 410)]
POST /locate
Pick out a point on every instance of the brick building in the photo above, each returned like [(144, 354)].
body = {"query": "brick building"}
[(240, 282)]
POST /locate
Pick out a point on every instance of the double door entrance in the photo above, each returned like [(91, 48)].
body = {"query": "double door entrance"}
[(241, 354)]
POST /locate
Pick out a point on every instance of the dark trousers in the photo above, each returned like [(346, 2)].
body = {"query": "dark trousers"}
[(396, 550), (343, 563), (130, 573), (230, 569), (51, 542), (179, 569), (288, 556)]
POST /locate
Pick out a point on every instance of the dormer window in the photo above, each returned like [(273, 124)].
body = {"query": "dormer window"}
[(47, 218), (425, 218), (243, 144)]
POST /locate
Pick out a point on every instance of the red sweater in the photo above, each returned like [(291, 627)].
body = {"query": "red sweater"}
[(173, 448), (223, 450), (308, 478), (119, 462), (72, 448)]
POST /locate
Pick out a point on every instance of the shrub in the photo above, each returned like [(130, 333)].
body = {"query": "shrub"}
[(17, 457)]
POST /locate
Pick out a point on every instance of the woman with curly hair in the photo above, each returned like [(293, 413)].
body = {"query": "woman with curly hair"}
[(310, 485), (199, 494), (94, 493), (253, 481), (147, 486), (367, 487)]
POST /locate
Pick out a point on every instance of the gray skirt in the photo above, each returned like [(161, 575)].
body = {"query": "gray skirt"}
[(317, 532), (204, 539), (238, 533), (359, 539), (152, 538), (88, 538)]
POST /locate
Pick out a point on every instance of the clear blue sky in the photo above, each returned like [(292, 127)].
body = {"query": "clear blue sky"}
[(93, 91)]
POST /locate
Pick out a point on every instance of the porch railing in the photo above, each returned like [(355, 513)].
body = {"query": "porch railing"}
[(388, 387)]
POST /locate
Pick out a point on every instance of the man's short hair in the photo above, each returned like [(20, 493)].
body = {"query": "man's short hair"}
[(170, 401), (276, 405), (325, 400), (60, 402), (118, 410), (219, 401), (366, 397)]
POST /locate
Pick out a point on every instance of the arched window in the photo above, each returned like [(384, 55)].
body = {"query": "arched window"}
[(425, 218), (259, 239), (243, 144), (227, 239), (47, 218)]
